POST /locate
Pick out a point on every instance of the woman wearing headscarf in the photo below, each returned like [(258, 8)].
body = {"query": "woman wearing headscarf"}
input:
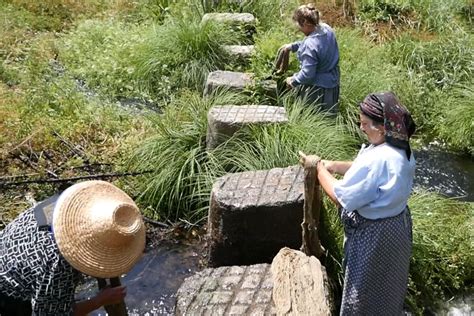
[(372, 197), (318, 79)]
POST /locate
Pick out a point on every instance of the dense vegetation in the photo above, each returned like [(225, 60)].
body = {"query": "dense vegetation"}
[(69, 69)]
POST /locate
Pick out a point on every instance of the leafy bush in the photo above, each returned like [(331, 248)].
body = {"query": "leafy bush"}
[(103, 54)]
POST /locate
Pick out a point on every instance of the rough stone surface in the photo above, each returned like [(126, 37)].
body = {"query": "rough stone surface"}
[(239, 18), (234, 290), (235, 81), (254, 214), (240, 53), (242, 24), (300, 285), (238, 81), (224, 121)]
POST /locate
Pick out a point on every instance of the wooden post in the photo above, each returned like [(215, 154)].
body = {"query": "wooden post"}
[(116, 309), (312, 207)]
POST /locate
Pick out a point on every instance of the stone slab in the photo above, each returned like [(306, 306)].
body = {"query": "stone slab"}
[(239, 82), (254, 214), (238, 18), (240, 53), (234, 290), (224, 121), (243, 25)]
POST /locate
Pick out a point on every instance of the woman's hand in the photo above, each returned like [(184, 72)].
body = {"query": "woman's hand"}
[(330, 166), (289, 81), (286, 47)]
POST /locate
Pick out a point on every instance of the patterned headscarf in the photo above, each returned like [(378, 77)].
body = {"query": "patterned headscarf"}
[(399, 125)]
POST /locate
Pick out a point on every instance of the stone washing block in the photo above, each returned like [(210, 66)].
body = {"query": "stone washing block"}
[(254, 214), (224, 121), (239, 82), (236, 290), (240, 53)]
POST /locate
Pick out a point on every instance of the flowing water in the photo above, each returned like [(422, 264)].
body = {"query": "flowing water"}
[(153, 282)]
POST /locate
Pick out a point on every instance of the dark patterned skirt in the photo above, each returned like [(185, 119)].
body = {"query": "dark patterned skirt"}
[(376, 263)]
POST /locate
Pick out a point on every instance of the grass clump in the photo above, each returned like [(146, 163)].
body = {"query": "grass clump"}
[(196, 50), (176, 154), (442, 264), (456, 123)]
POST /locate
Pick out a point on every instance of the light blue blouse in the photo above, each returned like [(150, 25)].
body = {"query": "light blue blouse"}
[(378, 183), (318, 55)]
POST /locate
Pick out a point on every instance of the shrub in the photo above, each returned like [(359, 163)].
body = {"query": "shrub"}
[(103, 55)]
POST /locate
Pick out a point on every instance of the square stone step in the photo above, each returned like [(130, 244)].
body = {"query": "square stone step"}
[(224, 121), (236, 290), (239, 82), (254, 214), (242, 24), (240, 53)]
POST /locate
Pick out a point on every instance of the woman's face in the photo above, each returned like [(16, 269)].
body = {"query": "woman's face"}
[(375, 132)]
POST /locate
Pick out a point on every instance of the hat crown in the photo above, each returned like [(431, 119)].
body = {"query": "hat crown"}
[(114, 223)]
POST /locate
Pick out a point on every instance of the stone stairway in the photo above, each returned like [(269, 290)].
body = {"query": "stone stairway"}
[(252, 214)]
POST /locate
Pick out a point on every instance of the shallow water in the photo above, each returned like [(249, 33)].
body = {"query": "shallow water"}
[(446, 173), (154, 280)]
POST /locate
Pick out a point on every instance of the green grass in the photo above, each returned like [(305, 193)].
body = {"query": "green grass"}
[(442, 264)]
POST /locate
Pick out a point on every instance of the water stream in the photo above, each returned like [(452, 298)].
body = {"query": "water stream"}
[(153, 282)]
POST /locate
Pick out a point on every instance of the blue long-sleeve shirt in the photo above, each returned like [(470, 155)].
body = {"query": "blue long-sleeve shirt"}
[(318, 55)]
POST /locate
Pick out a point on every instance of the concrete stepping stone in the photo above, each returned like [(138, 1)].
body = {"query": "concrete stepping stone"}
[(240, 53), (238, 81), (224, 121), (242, 23), (254, 214), (236, 290)]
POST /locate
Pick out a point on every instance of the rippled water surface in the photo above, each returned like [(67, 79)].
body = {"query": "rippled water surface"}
[(154, 280)]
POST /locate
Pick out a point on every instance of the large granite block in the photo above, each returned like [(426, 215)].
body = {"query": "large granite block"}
[(254, 214), (224, 121)]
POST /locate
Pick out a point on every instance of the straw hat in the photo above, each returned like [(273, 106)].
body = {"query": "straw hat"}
[(99, 229)]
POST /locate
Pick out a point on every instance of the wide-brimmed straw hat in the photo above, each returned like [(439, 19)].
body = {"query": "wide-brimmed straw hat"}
[(98, 229)]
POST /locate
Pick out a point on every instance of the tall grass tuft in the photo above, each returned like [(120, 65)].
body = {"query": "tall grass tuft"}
[(179, 54), (455, 125), (176, 154), (442, 264)]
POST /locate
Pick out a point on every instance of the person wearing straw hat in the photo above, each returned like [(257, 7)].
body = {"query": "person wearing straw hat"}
[(373, 200), (93, 228), (317, 82)]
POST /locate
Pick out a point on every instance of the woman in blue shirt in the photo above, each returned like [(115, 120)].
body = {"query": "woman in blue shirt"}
[(318, 79), (373, 199)]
